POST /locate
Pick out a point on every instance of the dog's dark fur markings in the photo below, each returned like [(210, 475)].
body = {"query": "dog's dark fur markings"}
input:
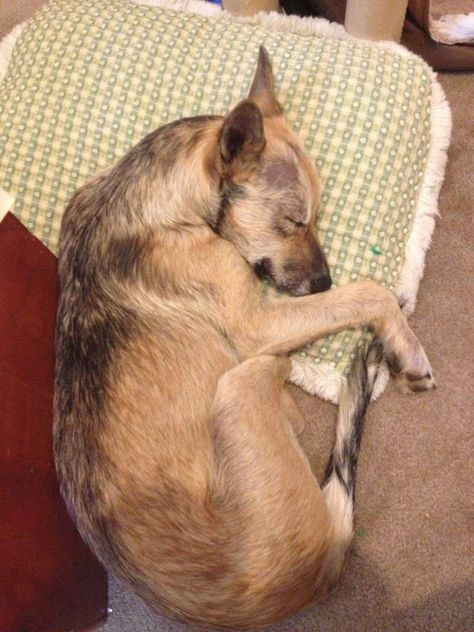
[(174, 433)]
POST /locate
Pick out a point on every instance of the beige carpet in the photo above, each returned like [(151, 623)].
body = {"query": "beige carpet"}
[(411, 569)]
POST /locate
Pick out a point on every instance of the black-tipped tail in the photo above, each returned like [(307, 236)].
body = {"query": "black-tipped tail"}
[(338, 488)]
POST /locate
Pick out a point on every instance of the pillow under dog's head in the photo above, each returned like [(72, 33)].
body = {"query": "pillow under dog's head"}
[(89, 79)]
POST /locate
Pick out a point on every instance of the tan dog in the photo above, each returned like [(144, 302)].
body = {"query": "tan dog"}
[(174, 432)]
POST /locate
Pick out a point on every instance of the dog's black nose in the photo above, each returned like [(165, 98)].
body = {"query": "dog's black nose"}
[(320, 283)]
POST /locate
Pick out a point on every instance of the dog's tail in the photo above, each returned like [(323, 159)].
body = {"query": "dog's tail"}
[(338, 488)]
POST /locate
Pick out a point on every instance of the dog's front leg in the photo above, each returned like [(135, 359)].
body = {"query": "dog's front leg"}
[(280, 325)]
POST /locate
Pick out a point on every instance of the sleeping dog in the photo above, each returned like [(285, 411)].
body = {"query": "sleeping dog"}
[(175, 435)]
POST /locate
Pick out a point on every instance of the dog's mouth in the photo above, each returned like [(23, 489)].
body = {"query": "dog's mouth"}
[(264, 270)]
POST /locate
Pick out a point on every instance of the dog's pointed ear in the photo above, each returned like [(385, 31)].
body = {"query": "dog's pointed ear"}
[(262, 91), (242, 138)]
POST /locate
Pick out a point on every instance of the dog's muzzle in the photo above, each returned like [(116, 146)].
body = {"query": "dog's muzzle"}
[(319, 282)]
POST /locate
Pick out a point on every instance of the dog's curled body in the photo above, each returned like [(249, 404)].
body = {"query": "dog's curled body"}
[(174, 435), (142, 458)]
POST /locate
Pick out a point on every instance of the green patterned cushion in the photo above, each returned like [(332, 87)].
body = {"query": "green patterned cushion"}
[(88, 79)]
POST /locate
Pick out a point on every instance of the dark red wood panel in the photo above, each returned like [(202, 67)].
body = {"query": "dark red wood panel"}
[(49, 580)]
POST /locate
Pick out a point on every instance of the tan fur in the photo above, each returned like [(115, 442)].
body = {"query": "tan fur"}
[(198, 492)]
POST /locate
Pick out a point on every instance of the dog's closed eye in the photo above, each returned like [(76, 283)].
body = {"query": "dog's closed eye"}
[(295, 222)]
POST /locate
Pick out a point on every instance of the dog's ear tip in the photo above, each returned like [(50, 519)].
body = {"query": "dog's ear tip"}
[(262, 90), (263, 54)]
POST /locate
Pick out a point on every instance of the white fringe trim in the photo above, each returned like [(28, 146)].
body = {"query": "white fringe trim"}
[(7, 44), (322, 379), (317, 379), (427, 208), (326, 382)]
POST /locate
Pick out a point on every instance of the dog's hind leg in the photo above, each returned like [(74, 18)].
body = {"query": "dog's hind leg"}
[(292, 538), (265, 490), (255, 417)]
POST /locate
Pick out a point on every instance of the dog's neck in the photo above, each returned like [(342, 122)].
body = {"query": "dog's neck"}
[(180, 186)]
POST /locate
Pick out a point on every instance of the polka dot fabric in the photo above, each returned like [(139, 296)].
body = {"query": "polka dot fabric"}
[(87, 80)]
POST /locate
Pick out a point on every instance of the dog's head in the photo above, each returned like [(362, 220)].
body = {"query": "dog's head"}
[(270, 191)]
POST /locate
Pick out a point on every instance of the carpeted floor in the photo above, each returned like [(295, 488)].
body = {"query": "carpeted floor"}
[(411, 569)]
